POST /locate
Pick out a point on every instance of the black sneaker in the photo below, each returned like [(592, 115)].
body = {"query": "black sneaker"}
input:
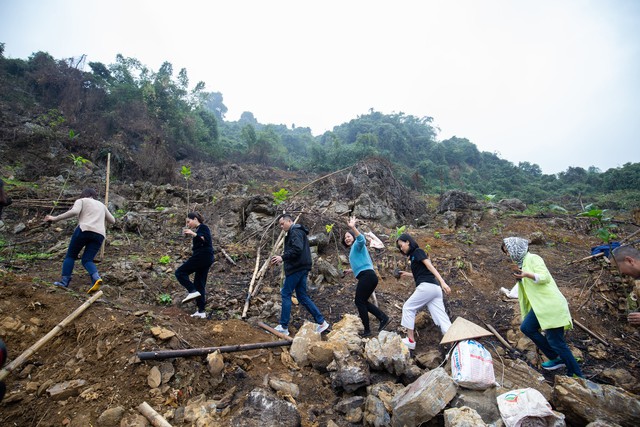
[(365, 334), (384, 323)]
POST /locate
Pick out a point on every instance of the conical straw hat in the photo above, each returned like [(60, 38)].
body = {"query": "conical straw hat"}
[(462, 329)]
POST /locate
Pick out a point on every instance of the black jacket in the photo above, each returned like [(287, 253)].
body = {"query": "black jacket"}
[(297, 254)]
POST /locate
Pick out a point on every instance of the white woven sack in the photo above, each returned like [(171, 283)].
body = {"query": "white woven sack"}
[(472, 365)]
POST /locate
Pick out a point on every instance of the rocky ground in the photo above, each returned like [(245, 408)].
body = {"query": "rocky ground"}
[(141, 298)]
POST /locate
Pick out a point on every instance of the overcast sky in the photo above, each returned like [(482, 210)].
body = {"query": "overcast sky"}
[(551, 82)]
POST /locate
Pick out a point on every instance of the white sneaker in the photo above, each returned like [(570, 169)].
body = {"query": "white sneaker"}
[(201, 315), (282, 330), (190, 296), (321, 328), (410, 345)]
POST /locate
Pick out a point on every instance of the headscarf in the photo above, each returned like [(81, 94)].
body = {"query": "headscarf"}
[(517, 248)]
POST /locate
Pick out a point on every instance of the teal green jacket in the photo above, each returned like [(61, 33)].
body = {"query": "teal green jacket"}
[(544, 297)]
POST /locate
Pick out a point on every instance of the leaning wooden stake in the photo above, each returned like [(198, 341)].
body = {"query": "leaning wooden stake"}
[(599, 254), (106, 200), (170, 354), (274, 332), (42, 341), (253, 279), (155, 418), (590, 332), (502, 340)]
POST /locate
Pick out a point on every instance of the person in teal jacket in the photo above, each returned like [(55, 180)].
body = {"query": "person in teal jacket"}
[(362, 268), (542, 306)]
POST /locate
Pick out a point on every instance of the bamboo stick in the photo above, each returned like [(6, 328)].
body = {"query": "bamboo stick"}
[(590, 332), (154, 418), (274, 332), (106, 201), (502, 340), (253, 279), (170, 354), (42, 341)]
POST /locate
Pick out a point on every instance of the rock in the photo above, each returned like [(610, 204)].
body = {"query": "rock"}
[(134, 420), (517, 374), (200, 411), (423, 399), (512, 205), (111, 417), (378, 405), (583, 401), (601, 423), (328, 270), (154, 379), (305, 337), (167, 371), (287, 388), (455, 200), (66, 389), (620, 378), (263, 409), (215, 365), (320, 240), (462, 417), (349, 370), (162, 333), (367, 206), (387, 352), (483, 402), (537, 238), (429, 360)]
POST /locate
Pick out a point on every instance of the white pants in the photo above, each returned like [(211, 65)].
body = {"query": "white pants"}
[(428, 294)]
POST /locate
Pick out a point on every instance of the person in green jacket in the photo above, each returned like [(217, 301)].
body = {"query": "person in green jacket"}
[(542, 306)]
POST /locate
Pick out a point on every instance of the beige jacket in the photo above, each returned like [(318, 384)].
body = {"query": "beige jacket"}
[(91, 215)]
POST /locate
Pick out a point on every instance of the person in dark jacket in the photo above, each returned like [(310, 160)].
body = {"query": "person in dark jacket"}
[(297, 264), (4, 199), (199, 262), (3, 358)]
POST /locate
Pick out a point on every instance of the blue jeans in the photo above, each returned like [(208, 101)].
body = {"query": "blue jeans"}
[(199, 265), (552, 344), (297, 282), (91, 242)]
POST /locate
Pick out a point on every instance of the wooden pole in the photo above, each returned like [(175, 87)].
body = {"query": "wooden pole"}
[(42, 341), (106, 201), (154, 418), (502, 340), (170, 354), (274, 332), (590, 332), (253, 279)]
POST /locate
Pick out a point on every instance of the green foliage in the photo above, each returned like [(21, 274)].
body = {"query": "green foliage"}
[(185, 171), (164, 260), (604, 228), (78, 161), (119, 213), (72, 134), (489, 197), (400, 230), (280, 196), (164, 299), (51, 119), (35, 256), (437, 235), (427, 248)]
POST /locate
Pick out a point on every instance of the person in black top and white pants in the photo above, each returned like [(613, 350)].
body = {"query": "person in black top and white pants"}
[(427, 291), (199, 263)]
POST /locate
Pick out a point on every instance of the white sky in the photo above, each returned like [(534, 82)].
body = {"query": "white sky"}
[(556, 83)]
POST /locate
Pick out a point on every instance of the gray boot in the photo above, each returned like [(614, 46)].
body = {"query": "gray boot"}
[(64, 282)]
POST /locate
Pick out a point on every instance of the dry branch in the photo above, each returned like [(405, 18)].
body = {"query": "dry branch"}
[(502, 340), (227, 256), (42, 341), (586, 258), (590, 332), (274, 332), (253, 279)]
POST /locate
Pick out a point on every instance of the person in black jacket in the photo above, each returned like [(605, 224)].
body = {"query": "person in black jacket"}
[(297, 264), (199, 263), (3, 358)]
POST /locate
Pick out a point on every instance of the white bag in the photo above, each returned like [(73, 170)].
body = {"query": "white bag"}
[(527, 407), (472, 365)]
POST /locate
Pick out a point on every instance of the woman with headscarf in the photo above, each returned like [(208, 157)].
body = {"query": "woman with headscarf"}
[(89, 234), (427, 292), (362, 268), (542, 306)]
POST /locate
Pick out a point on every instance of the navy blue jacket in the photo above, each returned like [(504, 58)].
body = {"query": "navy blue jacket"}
[(297, 254)]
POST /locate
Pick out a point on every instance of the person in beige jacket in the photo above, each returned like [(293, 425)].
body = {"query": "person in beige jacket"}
[(89, 234)]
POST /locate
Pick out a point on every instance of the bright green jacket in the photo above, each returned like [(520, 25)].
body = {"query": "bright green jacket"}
[(543, 297)]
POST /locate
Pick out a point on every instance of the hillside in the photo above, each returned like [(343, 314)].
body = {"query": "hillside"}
[(98, 350)]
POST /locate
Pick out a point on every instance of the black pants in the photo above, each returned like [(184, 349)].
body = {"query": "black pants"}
[(199, 265), (367, 282)]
